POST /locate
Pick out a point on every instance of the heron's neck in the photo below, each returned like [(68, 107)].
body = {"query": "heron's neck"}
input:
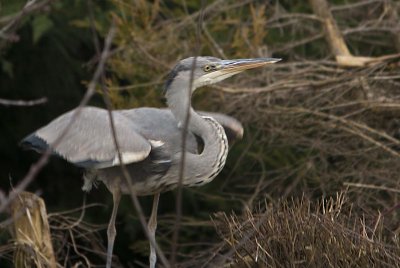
[(206, 165), (179, 101)]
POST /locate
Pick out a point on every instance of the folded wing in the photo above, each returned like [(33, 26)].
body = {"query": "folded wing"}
[(89, 141)]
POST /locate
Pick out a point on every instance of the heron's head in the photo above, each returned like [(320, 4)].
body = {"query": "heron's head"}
[(209, 70)]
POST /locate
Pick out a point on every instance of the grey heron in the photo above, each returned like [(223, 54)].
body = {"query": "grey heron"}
[(150, 139)]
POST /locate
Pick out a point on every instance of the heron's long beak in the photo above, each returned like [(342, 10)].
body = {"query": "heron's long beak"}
[(240, 65), (228, 68)]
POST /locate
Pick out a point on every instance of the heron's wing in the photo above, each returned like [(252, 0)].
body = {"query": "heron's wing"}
[(233, 128), (160, 124), (89, 141)]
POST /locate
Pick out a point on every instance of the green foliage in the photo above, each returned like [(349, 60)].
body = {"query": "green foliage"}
[(153, 36), (40, 26), (7, 68), (11, 7)]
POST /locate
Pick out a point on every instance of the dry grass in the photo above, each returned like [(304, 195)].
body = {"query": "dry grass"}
[(300, 233), (77, 242)]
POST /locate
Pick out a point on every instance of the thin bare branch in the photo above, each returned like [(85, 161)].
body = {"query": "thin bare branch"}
[(13, 22), (23, 103)]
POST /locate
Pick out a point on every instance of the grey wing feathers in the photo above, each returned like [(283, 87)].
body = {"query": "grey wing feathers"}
[(89, 142), (160, 123)]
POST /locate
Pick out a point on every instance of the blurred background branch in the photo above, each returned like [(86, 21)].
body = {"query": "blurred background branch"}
[(22, 102), (9, 24)]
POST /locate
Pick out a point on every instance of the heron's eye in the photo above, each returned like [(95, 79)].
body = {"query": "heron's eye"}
[(209, 67)]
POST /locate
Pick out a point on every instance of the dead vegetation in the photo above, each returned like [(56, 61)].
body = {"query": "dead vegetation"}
[(317, 126), (303, 233), (321, 126), (323, 121)]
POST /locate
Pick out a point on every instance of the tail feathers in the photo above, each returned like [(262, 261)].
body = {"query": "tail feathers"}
[(33, 142)]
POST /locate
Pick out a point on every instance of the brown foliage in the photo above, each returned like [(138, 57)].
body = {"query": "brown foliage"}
[(304, 234)]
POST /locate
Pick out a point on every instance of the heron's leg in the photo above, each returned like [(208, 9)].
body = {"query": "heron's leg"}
[(111, 231), (152, 225)]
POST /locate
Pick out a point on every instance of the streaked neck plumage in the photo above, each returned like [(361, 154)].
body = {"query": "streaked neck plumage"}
[(178, 96)]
